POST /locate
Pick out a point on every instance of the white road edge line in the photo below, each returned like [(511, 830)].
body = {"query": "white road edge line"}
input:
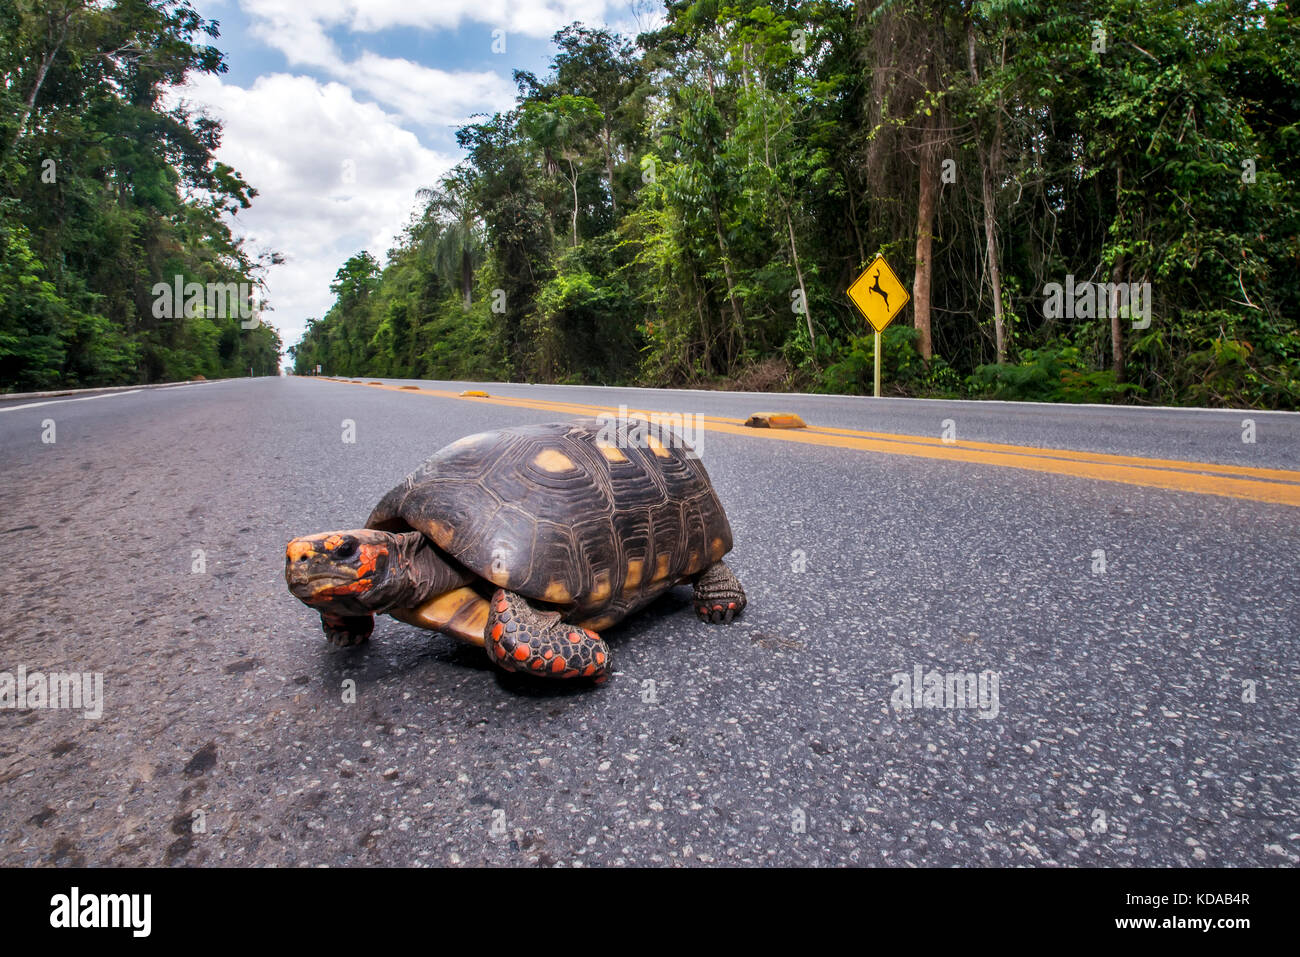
[(84, 398), (109, 395)]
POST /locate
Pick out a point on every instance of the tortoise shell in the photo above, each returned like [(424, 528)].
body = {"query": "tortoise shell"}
[(594, 517)]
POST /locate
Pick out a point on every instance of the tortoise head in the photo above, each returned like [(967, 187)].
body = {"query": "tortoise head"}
[(348, 573)]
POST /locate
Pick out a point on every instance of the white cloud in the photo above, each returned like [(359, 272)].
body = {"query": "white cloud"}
[(534, 18), (426, 96), (429, 96), (298, 141)]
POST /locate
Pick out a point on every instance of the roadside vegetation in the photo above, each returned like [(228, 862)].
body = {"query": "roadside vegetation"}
[(105, 192), (689, 208)]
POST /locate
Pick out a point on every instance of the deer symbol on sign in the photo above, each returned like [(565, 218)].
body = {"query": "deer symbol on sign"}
[(875, 287)]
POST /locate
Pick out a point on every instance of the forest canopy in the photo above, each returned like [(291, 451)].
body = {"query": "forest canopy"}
[(690, 207)]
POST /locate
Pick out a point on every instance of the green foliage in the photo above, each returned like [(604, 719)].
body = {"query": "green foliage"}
[(1054, 373), (690, 210), (104, 192), (902, 371)]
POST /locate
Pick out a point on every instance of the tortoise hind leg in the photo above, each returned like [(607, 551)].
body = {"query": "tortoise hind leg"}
[(718, 595), (521, 638)]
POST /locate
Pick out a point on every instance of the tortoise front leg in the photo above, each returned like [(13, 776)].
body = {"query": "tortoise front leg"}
[(521, 638), (346, 630), (718, 595)]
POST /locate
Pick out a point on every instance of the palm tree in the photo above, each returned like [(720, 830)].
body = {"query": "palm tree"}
[(450, 233)]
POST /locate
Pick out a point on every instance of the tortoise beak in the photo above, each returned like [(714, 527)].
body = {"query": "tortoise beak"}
[(308, 569)]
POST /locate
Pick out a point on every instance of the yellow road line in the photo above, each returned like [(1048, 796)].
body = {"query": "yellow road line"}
[(1276, 486)]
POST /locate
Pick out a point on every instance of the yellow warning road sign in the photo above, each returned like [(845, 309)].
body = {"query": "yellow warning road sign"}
[(878, 294)]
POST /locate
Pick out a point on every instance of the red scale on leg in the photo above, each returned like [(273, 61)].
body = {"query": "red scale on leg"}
[(541, 643)]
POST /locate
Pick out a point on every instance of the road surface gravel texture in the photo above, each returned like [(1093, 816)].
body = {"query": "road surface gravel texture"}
[(1135, 648)]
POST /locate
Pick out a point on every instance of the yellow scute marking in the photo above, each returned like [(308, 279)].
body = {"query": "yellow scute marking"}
[(661, 567), (657, 447), (600, 587), (633, 578), (440, 532), (611, 452), (556, 592), (552, 461)]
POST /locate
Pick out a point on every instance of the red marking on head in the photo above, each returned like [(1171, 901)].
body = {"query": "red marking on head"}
[(358, 587), (538, 664), (575, 637), (589, 670), (497, 629), (370, 554), (558, 665), (600, 657), (522, 651)]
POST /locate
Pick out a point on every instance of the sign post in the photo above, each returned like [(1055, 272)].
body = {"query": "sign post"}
[(879, 300), (877, 355)]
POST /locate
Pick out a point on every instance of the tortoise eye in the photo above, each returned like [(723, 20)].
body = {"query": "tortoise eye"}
[(346, 549)]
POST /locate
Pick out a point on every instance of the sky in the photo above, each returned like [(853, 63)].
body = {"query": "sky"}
[(338, 111)]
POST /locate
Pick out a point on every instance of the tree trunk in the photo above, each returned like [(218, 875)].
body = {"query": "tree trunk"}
[(925, 209), (807, 309), (30, 103), (466, 277), (731, 283), (853, 219), (995, 272), (46, 62), (1116, 277), (1116, 323), (609, 171), (574, 173), (988, 159)]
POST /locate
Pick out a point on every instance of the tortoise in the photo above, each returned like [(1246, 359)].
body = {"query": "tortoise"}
[(529, 541)]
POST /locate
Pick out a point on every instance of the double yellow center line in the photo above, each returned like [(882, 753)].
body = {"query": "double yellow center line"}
[(1277, 486)]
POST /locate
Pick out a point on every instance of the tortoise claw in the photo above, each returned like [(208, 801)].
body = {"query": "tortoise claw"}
[(346, 631), (718, 614), (718, 595)]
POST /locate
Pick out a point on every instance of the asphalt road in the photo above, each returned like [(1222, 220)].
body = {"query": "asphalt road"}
[(1145, 713)]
